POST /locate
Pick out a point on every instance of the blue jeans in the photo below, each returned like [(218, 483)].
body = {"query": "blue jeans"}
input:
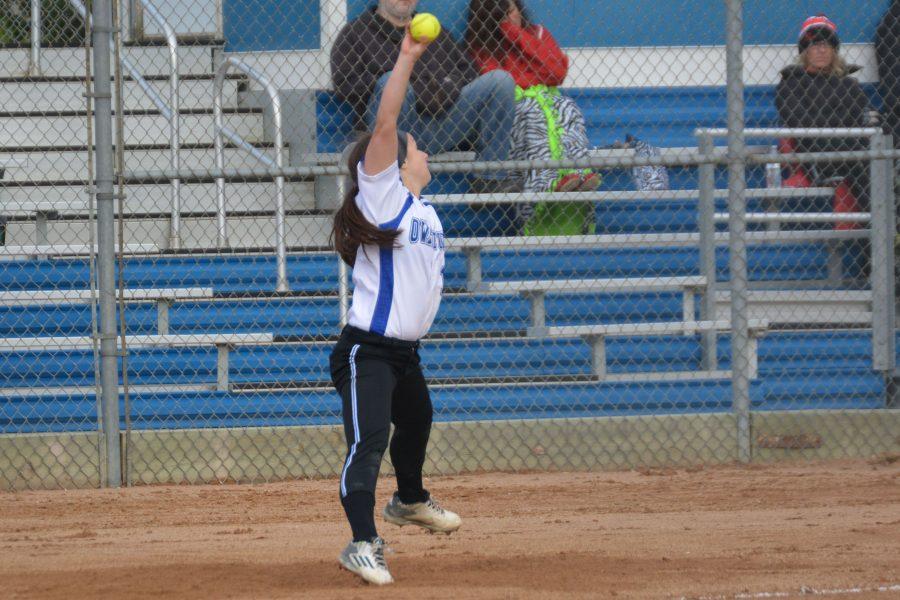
[(483, 115)]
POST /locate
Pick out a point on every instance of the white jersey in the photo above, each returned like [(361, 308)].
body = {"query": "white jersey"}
[(396, 291)]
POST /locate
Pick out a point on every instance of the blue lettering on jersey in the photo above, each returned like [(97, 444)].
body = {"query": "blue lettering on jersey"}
[(420, 232)]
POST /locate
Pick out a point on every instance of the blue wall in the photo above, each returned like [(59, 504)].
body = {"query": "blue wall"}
[(294, 24), (252, 25)]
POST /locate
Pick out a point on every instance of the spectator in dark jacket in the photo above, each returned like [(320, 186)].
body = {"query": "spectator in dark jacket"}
[(887, 51), (448, 103), (819, 92)]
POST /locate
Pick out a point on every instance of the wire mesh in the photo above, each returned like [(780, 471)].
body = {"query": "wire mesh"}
[(587, 317)]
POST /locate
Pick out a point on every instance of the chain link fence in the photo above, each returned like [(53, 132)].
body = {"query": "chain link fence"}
[(668, 240)]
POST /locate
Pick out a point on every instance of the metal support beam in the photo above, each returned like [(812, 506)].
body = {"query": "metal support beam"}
[(707, 230), (106, 259), (882, 261), (737, 225)]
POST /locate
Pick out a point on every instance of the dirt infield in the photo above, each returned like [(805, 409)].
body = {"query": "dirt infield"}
[(714, 532)]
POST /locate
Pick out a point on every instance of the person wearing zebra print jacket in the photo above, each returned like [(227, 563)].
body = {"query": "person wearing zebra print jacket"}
[(548, 124)]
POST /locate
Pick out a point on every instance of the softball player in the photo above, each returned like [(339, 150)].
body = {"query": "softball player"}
[(395, 243)]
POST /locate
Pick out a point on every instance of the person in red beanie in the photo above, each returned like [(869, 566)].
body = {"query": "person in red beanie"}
[(548, 124), (818, 91)]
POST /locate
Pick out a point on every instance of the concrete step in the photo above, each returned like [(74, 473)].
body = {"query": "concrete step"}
[(65, 129), (196, 232), (149, 60), (67, 94), (71, 165), (156, 198)]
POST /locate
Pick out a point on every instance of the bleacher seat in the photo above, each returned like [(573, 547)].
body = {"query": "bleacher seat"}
[(481, 361)]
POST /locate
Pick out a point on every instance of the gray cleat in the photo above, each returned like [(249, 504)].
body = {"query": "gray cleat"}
[(426, 514), (366, 559)]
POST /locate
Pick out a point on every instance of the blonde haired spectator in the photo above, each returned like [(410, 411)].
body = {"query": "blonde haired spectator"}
[(816, 92)]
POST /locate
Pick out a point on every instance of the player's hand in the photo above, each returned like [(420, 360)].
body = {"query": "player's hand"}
[(412, 48)]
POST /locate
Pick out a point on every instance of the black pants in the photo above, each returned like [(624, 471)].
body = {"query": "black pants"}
[(380, 381)]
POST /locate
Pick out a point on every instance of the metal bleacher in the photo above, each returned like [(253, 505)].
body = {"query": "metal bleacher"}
[(481, 349), (211, 343)]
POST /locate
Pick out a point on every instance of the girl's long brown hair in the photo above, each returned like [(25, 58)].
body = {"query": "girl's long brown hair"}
[(351, 228)]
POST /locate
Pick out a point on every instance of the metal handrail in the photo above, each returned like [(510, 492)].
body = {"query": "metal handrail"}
[(708, 217), (132, 71), (169, 111), (880, 216), (222, 131), (174, 122), (806, 132)]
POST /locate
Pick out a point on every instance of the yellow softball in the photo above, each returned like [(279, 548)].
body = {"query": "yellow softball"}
[(424, 27)]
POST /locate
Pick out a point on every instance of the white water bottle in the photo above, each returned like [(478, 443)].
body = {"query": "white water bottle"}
[(773, 175)]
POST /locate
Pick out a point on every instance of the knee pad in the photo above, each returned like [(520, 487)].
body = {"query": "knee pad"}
[(361, 474)]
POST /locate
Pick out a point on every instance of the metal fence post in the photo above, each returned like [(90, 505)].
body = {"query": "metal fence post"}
[(109, 373), (707, 227), (882, 262), (737, 226), (34, 64), (890, 221)]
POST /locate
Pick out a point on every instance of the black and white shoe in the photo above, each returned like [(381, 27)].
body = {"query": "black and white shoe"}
[(366, 559)]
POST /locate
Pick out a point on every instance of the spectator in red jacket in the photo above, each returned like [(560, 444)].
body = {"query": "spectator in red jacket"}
[(548, 125)]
